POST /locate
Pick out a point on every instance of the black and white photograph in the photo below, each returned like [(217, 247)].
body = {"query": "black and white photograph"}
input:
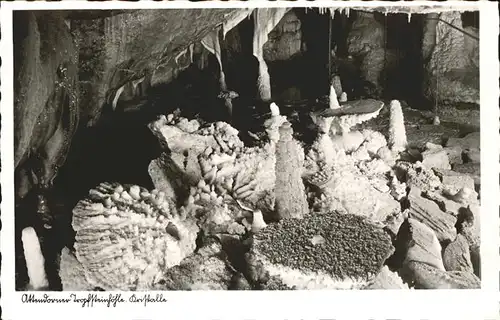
[(247, 148)]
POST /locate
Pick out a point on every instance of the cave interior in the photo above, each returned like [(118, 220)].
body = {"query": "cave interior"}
[(304, 51)]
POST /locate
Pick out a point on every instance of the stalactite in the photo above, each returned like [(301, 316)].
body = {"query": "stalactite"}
[(265, 19), (232, 22), (35, 262), (212, 44)]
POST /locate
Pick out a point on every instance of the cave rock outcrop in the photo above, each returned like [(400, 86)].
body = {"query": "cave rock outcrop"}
[(453, 59)]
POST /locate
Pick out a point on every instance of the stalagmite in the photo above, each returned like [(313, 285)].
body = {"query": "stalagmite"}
[(397, 131), (265, 19), (343, 97), (35, 262), (334, 103), (291, 201), (258, 222), (436, 121)]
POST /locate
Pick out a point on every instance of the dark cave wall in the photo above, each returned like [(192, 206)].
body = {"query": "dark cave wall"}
[(68, 66)]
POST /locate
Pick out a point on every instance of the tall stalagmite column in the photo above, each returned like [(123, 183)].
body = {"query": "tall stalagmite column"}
[(265, 19), (290, 193)]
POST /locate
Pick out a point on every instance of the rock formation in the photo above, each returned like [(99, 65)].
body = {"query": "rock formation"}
[(453, 65), (289, 190), (288, 253), (126, 236), (327, 206)]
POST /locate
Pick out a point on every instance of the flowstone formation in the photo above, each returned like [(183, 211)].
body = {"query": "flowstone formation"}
[(127, 236), (321, 251)]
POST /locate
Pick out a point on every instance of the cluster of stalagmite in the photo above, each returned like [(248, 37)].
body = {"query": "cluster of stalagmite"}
[(348, 189)]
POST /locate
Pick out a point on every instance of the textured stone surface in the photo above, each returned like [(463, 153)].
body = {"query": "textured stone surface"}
[(46, 105), (456, 256), (455, 179), (350, 254), (427, 277), (72, 273), (471, 169), (366, 41), (428, 212), (126, 235), (454, 61), (387, 279), (285, 40), (137, 43), (470, 228), (418, 136), (473, 155), (291, 201), (436, 158), (207, 269), (43, 45), (423, 246), (418, 176), (353, 193), (470, 141), (454, 154)]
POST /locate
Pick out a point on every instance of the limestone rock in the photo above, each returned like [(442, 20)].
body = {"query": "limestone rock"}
[(72, 273), (44, 47), (289, 190), (469, 227), (171, 178), (423, 246), (428, 212), (287, 251), (454, 62), (470, 141), (473, 155), (285, 40), (207, 269), (445, 204), (428, 277), (436, 158), (471, 169), (454, 179), (366, 40), (387, 279), (456, 256), (416, 175), (354, 193), (454, 154), (153, 43), (125, 235), (419, 136)]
